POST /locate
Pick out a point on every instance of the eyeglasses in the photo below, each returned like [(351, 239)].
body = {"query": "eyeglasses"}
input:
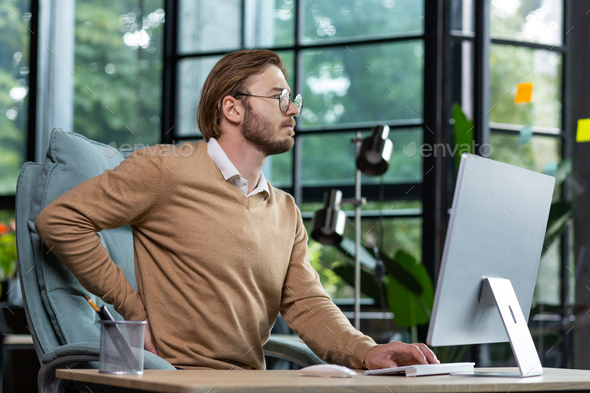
[(284, 100)]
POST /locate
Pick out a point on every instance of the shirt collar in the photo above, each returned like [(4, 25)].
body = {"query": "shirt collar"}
[(228, 170)]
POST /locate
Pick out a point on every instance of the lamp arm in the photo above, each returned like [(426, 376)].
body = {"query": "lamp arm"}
[(380, 267), (366, 241), (354, 201)]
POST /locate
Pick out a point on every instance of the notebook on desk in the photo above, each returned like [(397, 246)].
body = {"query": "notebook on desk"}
[(425, 369)]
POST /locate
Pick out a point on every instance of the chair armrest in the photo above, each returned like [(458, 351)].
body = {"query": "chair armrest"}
[(72, 350), (293, 350), (150, 361)]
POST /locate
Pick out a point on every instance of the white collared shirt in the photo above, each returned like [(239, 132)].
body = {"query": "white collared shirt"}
[(229, 171)]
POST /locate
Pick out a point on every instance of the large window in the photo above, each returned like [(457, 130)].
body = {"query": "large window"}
[(526, 43), (528, 47), (117, 76), (15, 29), (357, 64)]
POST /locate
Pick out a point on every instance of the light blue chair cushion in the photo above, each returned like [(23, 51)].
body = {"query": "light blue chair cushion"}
[(38, 320), (71, 160)]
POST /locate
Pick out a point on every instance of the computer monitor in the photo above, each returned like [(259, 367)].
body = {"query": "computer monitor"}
[(491, 258)]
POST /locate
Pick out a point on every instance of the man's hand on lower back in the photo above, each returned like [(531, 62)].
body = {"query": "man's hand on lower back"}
[(148, 339), (397, 354)]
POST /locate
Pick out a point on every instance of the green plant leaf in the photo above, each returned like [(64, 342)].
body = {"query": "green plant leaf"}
[(392, 267), (410, 293), (368, 285), (563, 170), (561, 210), (464, 134), (403, 275), (8, 258), (559, 214), (451, 354), (410, 309)]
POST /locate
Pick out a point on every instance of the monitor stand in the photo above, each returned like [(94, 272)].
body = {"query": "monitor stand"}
[(499, 291)]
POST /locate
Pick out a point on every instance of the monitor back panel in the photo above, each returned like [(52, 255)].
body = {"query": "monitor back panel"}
[(496, 229)]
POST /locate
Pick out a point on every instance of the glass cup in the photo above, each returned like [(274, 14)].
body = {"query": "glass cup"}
[(121, 347)]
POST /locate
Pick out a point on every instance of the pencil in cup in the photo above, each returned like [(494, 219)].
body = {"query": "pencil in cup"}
[(128, 359)]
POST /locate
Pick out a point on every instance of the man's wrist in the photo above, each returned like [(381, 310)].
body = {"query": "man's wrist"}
[(135, 313), (367, 353)]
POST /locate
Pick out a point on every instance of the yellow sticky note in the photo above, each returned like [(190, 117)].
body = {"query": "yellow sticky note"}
[(583, 134), (524, 93)]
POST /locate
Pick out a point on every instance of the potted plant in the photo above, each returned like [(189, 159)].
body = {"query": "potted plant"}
[(8, 260)]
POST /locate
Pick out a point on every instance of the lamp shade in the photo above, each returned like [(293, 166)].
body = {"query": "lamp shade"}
[(373, 158), (328, 223)]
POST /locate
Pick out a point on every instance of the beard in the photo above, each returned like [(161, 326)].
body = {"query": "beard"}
[(258, 132)]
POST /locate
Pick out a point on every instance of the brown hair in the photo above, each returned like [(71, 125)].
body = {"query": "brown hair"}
[(229, 77)]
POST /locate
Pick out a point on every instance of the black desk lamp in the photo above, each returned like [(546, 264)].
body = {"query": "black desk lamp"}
[(375, 153)]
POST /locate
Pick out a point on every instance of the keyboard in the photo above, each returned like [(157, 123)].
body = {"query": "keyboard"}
[(425, 369)]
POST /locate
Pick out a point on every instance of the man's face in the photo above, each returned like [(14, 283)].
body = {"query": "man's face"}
[(265, 126)]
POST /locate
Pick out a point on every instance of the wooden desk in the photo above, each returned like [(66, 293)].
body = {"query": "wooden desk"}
[(216, 381)]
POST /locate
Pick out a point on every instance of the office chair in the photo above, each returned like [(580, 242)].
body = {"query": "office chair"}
[(64, 328)]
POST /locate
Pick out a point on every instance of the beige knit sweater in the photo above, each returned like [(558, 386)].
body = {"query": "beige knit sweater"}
[(213, 267)]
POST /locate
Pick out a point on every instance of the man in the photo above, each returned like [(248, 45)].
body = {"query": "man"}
[(219, 252)]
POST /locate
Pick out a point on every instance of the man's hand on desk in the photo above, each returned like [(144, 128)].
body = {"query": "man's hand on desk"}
[(148, 341), (397, 354)]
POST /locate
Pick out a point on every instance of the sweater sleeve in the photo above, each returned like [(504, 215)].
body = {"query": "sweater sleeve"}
[(310, 312), (69, 227)]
